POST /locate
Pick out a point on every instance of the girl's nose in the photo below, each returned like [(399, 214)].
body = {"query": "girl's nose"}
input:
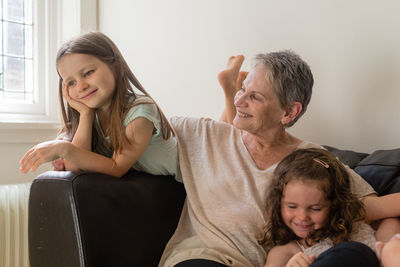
[(301, 214), (82, 85)]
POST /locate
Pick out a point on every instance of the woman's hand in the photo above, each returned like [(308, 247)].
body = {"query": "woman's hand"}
[(42, 153), (300, 260), (78, 106)]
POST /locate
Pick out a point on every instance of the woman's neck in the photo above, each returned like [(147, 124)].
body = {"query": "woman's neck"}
[(270, 148)]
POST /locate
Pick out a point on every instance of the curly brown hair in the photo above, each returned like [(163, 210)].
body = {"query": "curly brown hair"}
[(312, 165), (102, 47)]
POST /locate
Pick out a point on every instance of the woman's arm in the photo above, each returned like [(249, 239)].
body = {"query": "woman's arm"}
[(382, 207), (139, 134), (385, 210)]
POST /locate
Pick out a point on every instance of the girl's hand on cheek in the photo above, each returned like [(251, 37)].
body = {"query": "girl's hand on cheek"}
[(78, 106), (42, 153)]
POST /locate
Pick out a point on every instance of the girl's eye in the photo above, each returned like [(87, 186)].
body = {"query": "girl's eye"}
[(88, 73), (71, 83), (315, 209), (291, 206)]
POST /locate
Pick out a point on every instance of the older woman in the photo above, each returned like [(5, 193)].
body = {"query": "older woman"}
[(227, 169)]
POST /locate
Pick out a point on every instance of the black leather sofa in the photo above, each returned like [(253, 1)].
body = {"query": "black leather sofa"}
[(94, 220)]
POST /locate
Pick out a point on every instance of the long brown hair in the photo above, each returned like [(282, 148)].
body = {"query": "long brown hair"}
[(312, 165), (102, 47)]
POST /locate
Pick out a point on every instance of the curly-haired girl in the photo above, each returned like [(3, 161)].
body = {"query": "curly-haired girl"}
[(311, 208)]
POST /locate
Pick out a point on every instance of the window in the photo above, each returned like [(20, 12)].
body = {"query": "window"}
[(30, 33), (16, 47), (27, 42)]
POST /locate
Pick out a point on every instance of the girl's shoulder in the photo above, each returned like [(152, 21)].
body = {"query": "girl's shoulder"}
[(141, 99), (143, 106)]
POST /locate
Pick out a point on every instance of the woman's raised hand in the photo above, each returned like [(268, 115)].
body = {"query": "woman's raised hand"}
[(42, 153), (78, 106)]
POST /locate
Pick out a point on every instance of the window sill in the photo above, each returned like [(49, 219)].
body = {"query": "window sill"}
[(28, 132)]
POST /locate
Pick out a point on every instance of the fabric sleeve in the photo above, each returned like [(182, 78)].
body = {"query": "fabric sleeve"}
[(358, 185), (148, 111)]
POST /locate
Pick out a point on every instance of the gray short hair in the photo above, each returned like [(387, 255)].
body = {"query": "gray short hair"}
[(290, 77)]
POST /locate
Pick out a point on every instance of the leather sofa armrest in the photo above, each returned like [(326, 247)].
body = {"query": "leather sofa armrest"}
[(90, 219)]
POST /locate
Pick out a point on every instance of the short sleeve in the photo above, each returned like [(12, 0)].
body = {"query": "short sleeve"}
[(148, 111)]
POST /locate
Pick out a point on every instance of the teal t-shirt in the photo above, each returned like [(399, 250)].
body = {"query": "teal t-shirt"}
[(160, 156)]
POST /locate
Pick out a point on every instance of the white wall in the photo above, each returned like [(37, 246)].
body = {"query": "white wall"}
[(15, 141), (177, 47)]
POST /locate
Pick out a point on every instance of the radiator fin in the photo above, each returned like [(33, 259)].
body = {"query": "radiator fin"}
[(14, 225)]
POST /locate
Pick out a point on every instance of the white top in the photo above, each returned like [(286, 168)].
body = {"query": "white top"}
[(363, 233), (226, 195)]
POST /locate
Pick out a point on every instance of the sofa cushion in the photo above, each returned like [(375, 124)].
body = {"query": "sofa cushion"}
[(348, 157), (381, 169)]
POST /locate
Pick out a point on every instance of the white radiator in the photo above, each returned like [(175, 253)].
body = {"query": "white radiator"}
[(14, 225)]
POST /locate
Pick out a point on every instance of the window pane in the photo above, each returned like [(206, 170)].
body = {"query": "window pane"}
[(16, 52), (28, 11), (14, 42), (15, 97), (14, 10), (14, 74)]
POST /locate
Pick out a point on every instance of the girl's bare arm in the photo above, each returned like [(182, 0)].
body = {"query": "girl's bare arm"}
[(139, 134)]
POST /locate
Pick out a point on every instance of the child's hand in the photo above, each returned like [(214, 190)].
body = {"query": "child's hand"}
[(300, 260), (380, 245), (78, 106), (58, 164), (42, 153)]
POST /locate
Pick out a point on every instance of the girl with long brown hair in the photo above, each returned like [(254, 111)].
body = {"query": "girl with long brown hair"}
[(110, 128)]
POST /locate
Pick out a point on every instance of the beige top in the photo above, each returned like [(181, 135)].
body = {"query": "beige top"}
[(226, 194)]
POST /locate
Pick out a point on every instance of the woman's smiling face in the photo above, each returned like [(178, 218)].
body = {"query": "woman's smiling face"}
[(257, 105)]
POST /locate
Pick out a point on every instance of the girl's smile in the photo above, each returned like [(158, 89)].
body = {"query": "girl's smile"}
[(304, 207), (88, 80), (88, 95)]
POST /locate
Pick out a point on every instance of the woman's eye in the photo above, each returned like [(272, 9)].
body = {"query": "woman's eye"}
[(316, 209), (254, 97), (291, 206)]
